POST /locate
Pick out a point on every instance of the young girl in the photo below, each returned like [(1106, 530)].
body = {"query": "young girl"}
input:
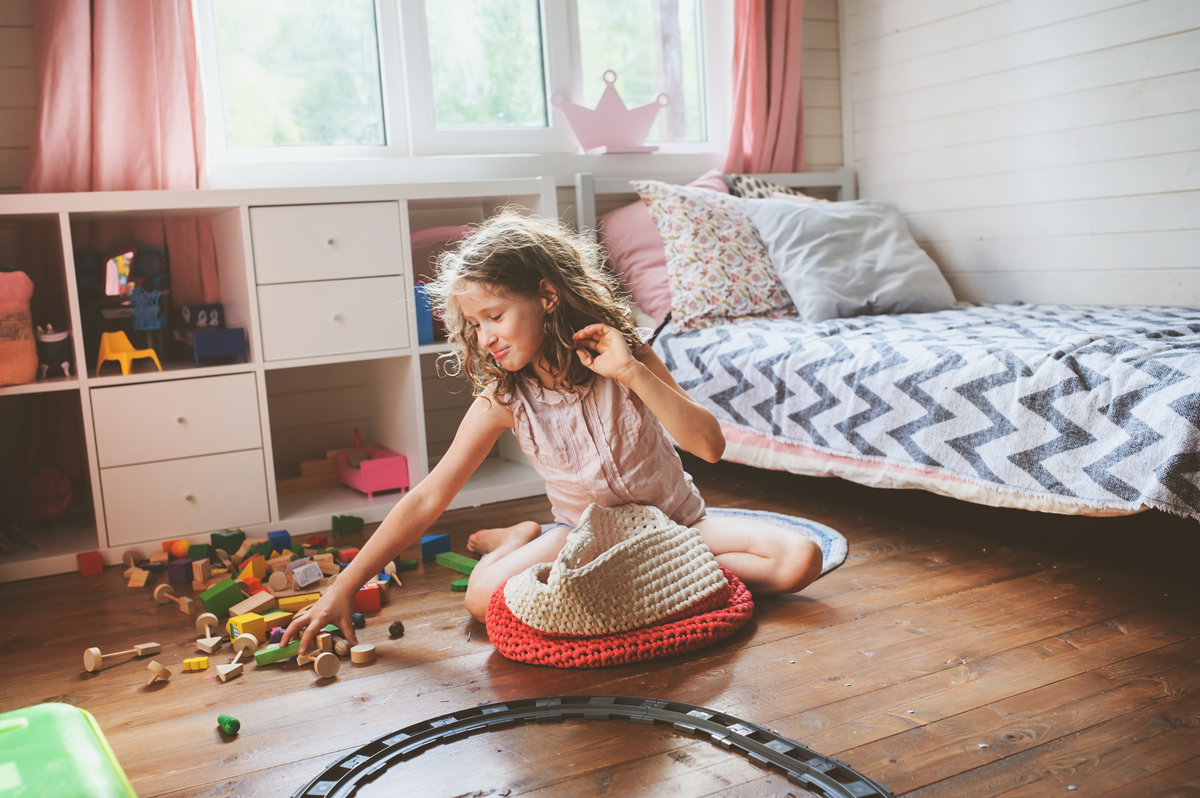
[(542, 334)]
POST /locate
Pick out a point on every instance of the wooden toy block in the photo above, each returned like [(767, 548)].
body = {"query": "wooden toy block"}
[(260, 603), (306, 575), (138, 577), (297, 603), (179, 572), (227, 541), (167, 545), (249, 585), (199, 551), (89, 563), (345, 524), (264, 548), (405, 564), (229, 724), (279, 564), (201, 570), (316, 541), (164, 594), (326, 665), (255, 566), (329, 567), (278, 581), (325, 641), (280, 540), (362, 654), (367, 598), (195, 664), (246, 644), (157, 671), (160, 557), (221, 596), (227, 672), (200, 587), (205, 624), (243, 550), (384, 598), (456, 562), (249, 624), (278, 618), (274, 653), (93, 660), (347, 555), (433, 545), (459, 585)]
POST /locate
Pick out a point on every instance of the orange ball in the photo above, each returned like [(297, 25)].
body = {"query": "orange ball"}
[(180, 548)]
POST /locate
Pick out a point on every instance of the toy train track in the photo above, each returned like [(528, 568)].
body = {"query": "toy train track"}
[(801, 765)]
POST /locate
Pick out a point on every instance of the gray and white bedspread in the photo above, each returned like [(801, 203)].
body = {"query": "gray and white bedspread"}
[(1096, 406)]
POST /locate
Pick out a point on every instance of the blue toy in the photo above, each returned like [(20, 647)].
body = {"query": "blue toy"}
[(281, 541), (433, 545)]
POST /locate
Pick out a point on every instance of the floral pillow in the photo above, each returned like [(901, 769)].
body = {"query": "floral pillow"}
[(717, 267)]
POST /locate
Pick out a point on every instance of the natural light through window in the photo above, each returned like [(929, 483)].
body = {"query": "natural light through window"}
[(485, 60), (299, 73), (653, 46)]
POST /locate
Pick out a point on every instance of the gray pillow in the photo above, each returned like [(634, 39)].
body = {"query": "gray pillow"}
[(845, 259)]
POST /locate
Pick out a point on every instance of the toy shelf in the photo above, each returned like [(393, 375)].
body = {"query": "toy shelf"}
[(42, 386), (55, 555)]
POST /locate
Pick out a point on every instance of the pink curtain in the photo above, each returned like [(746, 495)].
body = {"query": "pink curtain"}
[(767, 133), (121, 109)]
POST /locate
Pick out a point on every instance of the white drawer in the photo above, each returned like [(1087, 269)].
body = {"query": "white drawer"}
[(295, 243), (181, 418), (159, 501), (332, 318)]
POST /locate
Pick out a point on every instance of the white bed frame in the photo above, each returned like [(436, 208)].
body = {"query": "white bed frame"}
[(588, 187)]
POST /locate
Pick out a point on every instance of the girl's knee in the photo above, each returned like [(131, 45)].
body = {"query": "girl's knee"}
[(477, 599), (801, 565)]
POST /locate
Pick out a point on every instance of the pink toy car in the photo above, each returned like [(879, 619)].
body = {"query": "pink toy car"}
[(385, 470)]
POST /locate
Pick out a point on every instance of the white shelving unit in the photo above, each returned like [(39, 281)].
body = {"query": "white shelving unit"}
[(331, 347)]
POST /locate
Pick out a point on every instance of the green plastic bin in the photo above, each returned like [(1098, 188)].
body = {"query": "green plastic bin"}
[(57, 750)]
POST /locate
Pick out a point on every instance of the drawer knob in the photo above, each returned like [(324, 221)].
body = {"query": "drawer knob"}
[(189, 497), (329, 241), (181, 420), (337, 317)]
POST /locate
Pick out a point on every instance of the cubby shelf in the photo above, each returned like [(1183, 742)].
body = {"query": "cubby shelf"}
[(349, 368)]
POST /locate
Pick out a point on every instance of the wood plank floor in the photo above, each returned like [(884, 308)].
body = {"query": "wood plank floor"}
[(960, 651)]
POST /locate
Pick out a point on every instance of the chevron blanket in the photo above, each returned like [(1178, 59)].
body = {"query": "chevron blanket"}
[(1072, 409)]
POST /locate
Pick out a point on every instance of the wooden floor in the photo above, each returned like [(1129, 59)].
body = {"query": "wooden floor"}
[(959, 651)]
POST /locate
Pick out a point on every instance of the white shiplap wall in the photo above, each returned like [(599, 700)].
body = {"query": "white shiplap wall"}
[(822, 86), (18, 91), (1042, 150)]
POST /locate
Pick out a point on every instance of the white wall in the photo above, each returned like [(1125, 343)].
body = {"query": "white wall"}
[(1042, 150), (18, 92), (822, 86)]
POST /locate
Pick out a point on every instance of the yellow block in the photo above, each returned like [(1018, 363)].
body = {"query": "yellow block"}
[(195, 663), (255, 567), (250, 623), (277, 618), (297, 603)]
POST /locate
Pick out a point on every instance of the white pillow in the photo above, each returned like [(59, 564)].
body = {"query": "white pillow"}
[(846, 259)]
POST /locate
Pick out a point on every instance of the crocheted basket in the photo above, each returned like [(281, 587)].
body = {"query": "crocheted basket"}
[(629, 584), (18, 350)]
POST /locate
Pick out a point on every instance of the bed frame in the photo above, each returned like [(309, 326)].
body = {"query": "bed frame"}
[(587, 187)]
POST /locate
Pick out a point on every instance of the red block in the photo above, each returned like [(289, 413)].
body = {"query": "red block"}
[(367, 598), (90, 563), (253, 584), (315, 541), (346, 555)]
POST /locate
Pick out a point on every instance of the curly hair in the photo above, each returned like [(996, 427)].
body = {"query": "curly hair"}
[(511, 254)]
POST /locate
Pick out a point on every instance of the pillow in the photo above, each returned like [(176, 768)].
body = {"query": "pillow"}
[(635, 250), (843, 259), (752, 187), (717, 267)]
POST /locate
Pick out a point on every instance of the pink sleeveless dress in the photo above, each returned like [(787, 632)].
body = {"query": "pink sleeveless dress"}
[(601, 445)]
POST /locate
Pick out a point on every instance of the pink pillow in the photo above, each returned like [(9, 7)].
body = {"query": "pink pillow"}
[(635, 249)]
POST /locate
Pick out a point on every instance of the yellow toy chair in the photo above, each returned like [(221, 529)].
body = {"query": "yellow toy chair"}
[(116, 346)]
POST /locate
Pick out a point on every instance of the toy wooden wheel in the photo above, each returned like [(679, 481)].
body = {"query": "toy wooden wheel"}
[(362, 654), (326, 665), (132, 557), (205, 622), (93, 660), (278, 581), (245, 643), (163, 594)]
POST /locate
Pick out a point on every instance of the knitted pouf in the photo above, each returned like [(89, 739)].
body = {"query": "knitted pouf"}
[(523, 643)]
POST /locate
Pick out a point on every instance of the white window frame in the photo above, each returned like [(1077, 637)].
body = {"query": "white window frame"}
[(409, 127)]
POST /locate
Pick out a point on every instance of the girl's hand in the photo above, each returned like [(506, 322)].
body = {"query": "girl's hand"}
[(604, 350), (331, 608)]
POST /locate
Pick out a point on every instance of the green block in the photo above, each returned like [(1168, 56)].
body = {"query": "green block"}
[(345, 524), (456, 562), (265, 549), (228, 541), (220, 597), (459, 585), (273, 653), (409, 565), (199, 551), (332, 551), (298, 548)]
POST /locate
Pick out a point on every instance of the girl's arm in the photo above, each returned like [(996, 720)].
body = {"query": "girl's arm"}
[(411, 516), (604, 350)]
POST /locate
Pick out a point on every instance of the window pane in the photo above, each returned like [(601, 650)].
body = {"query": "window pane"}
[(653, 46), (485, 58), (299, 72)]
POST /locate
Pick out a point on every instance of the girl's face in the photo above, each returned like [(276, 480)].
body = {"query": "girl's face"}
[(509, 327)]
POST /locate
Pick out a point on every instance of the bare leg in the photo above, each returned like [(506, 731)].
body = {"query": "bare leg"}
[(768, 559), (510, 552)]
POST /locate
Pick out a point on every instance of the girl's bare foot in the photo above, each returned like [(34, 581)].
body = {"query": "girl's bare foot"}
[(485, 541)]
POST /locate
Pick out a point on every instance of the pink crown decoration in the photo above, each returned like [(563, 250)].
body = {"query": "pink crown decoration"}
[(610, 127)]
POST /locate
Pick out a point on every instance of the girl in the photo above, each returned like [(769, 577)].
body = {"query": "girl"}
[(541, 332)]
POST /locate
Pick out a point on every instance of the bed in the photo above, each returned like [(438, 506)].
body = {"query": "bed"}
[(1054, 408)]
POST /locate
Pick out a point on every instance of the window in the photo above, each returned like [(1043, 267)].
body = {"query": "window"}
[(337, 79)]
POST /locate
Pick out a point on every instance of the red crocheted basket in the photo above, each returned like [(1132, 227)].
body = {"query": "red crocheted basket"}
[(521, 642)]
